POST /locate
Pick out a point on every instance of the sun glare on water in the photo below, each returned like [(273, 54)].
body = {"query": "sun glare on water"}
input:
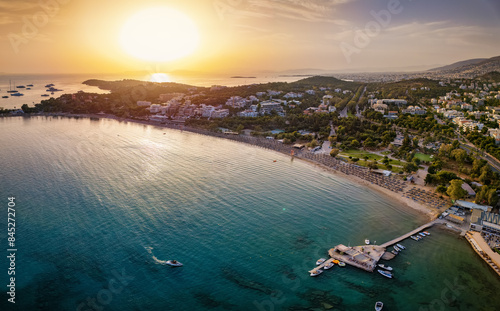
[(159, 34)]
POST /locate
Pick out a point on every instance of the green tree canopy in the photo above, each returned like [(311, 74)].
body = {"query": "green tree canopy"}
[(455, 190)]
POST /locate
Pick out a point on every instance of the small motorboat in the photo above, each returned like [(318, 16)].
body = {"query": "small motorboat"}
[(316, 272), (45, 95), (275, 161), (30, 85), (320, 261), (328, 265), (367, 242), (426, 233), (174, 263), (400, 246), (394, 252), (341, 264), (397, 249), (422, 234), (387, 274), (415, 238), (378, 306), (16, 94), (385, 267)]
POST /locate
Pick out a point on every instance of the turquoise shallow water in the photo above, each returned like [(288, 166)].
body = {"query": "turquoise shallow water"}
[(101, 204)]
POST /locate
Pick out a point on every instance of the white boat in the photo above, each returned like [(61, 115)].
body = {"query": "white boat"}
[(387, 274), (400, 246), (367, 242), (378, 306), (426, 233), (394, 252), (320, 261), (397, 249), (316, 272), (415, 238), (341, 264), (328, 265), (422, 234), (174, 263), (385, 267)]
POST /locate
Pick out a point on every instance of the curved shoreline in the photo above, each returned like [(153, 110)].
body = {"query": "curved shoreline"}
[(391, 187)]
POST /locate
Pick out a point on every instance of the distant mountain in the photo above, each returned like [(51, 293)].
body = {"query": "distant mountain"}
[(471, 69), (459, 64)]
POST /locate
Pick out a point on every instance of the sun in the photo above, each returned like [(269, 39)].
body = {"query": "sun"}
[(159, 34)]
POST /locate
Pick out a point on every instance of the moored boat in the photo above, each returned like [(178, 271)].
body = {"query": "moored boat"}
[(385, 267), (397, 249), (387, 274), (400, 246), (341, 264), (394, 252), (378, 306), (422, 234), (5, 96), (414, 237), (426, 233), (328, 265), (316, 272), (367, 242), (335, 261), (320, 261), (174, 263)]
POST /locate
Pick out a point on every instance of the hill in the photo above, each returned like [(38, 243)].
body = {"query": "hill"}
[(328, 81), (459, 64), (472, 70)]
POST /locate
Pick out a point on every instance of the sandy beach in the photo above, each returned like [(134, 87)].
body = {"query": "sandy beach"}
[(399, 196)]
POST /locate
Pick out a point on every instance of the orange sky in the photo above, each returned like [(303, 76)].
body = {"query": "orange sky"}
[(82, 36)]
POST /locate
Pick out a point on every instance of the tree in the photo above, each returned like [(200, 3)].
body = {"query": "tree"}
[(372, 165), (240, 128), (441, 189), (334, 152), (354, 144), (409, 167), (455, 190), (25, 107), (459, 155), (355, 160)]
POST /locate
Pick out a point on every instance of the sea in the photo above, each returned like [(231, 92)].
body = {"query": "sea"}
[(101, 205), (72, 83)]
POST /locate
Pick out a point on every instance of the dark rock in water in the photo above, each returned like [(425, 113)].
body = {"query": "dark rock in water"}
[(319, 300), (233, 276), (208, 301), (302, 242)]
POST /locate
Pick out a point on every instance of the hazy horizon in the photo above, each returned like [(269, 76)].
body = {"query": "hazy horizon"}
[(246, 37)]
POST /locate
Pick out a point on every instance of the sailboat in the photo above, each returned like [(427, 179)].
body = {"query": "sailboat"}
[(10, 88)]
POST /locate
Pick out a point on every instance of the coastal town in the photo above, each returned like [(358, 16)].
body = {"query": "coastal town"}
[(433, 143)]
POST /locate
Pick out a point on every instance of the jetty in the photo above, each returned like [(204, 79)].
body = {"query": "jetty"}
[(409, 234), (366, 257)]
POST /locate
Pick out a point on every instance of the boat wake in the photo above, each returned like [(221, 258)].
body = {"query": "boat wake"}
[(158, 261)]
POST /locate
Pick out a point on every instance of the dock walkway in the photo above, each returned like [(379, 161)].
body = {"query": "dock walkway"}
[(409, 234)]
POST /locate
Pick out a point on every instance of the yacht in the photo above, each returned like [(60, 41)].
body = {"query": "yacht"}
[(174, 263), (400, 246), (385, 267), (387, 274), (316, 272), (320, 261), (328, 265), (378, 306), (367, 242), (20, 87), (30, 85), (394, 252), (45, 95), (10, 88)]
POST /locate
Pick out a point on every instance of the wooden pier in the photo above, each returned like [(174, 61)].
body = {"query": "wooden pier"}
[(409, 234), (366, 257)]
